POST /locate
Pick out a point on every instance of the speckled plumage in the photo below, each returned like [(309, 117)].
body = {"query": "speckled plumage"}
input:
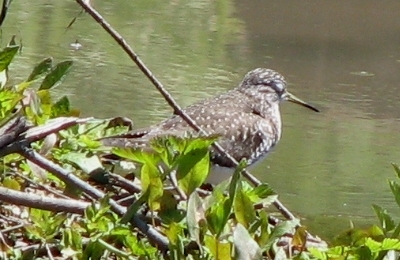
[(246, 118)]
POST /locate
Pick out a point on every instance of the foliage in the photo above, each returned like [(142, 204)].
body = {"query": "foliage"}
[(374, 242), (226, 222)]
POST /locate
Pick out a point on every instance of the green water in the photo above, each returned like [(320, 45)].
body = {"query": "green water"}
[(334, 164)]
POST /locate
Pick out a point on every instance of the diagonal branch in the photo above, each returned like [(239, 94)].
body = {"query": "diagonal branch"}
[(152, 234), (177, 109), (4, 10)]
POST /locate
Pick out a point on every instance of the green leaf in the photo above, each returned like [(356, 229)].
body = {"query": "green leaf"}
[(126, 153), (317, 253), (168, 148), (170, 211), (40, 105), (300, 237), (396, 231), (138, 248), (337, 251), (97, 210), (61, 107), (364, 252), (134, 207), (375, 232), (193, 169), (87, 142), (195, 215), (245, 246), (7, 55), (243, 208), (263, 191), (390, 244), (282, 228), (219, 250), (151, 182), (233, 185), (194, 164), (373, 245), (385, 220), (218, 214), (265, 229), (121, 231), (8, 101), (86, 163), (43, 67), (46, 223), (137, 155), (397, 169), (56, 75), (394, 186), (173, 232), (93, 250), (71, 241), (11, 183)]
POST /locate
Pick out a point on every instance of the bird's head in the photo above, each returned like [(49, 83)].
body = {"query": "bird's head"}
[(269, 86)]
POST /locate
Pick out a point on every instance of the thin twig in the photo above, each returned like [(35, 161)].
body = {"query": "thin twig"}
[(174, 183), (49, 254), (120, 181), (38, 185), (177, 109), (9, 229)]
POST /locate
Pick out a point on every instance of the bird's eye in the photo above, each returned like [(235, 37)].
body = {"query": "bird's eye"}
[(277, 85)]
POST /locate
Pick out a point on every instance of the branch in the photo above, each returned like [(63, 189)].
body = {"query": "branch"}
[(16, 143), (12, 129), (152, 234), (177, 109), (11, 140), (4, 10), (42, 202)]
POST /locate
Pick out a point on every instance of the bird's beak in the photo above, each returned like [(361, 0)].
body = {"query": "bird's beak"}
[(292, 98)]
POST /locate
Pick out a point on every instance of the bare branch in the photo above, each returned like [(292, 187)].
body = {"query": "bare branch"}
[(42, 202), (12, 129), (11, 140), (53, 126)]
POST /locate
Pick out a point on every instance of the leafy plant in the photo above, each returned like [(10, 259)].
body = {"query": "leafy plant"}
[(375, 242), (158, 189)]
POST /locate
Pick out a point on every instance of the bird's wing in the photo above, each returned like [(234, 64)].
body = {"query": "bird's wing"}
[(211, 115)]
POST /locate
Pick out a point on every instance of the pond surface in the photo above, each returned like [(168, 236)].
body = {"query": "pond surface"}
[(341, 56)]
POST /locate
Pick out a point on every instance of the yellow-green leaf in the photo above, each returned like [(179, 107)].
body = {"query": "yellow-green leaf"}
[(243, 208), (11, 184), (220, 250)]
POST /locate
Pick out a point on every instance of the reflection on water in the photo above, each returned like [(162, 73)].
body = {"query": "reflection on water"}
[(342, 56)]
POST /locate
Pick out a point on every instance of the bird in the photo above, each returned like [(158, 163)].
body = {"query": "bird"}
[(246, 119)]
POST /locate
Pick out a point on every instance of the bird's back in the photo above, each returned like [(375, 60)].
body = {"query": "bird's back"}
[(243, 132)]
